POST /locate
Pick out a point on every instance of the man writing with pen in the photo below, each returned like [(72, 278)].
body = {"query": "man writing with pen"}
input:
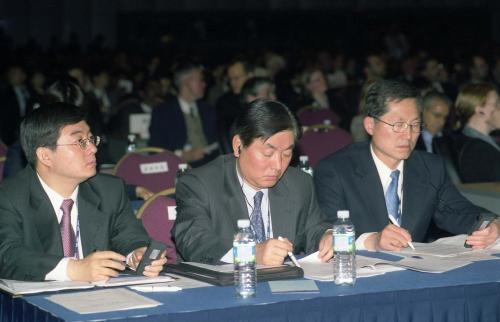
[(392, 191), (59, 220), (254, 182)]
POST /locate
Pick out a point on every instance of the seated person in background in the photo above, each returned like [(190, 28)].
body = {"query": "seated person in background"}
[(254, 182), (59, 220), (478, 109), (185, 124), (436, 107), (386, 177)]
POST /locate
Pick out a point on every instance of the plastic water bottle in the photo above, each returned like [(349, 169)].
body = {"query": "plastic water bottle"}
[(344, 250), (304, 165), (245, 278), (131, 147), (183, 168)]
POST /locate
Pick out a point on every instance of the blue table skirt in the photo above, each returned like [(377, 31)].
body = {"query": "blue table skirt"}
[(467, 294)]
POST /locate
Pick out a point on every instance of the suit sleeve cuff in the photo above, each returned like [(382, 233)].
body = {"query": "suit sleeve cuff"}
[(360, 242)]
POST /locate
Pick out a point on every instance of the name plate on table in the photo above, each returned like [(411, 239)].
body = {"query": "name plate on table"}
[(154, 167)]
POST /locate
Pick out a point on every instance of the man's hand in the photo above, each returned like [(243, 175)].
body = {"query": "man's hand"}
[(96, 267), (392, 238), (326, 246), (485, 237), (151, 270), (272, 252), (143, 193)]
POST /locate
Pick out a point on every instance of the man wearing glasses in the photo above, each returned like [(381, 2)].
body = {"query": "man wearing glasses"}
[(391, 191), (58, 219)]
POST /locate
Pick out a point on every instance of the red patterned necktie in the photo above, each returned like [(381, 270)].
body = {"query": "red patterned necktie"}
[(67, 234)]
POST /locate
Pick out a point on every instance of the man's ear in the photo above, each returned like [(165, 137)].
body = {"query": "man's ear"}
[(236, 145), (44, 156), (369, 124)]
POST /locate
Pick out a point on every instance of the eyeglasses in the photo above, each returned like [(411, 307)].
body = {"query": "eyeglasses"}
[(400, 127), (84, 143)]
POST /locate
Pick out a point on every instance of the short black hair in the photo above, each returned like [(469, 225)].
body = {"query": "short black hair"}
[(263, 118), (385, 91), (65, 90), (42, 127)]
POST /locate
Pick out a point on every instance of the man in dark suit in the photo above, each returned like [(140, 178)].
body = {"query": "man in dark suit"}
[(385, 177), (58, 219), (254, 182), (185, 124)]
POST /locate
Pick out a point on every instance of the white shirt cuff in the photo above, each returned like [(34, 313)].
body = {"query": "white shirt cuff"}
[(60, 272), (360, 242), (228, 257)]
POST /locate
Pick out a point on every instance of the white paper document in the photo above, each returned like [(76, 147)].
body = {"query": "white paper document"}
[(17, 288), (450, 247), (113, 299)]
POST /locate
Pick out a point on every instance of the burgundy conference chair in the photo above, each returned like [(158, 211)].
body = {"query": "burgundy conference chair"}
[(318, 141), (309, 116), (158, 216), (153, 168), (3, 156)]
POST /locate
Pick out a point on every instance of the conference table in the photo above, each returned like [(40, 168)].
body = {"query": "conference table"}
[(470, 293)]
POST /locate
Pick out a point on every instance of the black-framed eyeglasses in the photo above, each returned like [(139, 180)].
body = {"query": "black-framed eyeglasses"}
[(84, 143), (400, 127)]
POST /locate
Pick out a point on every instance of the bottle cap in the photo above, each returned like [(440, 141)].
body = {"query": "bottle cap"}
[(343, 214), (243, 223), (304, 158), (183, 166)]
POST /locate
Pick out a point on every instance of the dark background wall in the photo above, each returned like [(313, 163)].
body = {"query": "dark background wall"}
[(348, 23)]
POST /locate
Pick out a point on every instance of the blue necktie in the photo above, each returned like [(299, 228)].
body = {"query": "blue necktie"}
[(391, 197), (256, 218)]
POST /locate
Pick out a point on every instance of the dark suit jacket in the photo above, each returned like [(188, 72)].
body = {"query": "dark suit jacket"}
[(210, 201), (479, 161), (349, 180), (11, 115), (30, 238), (168, 128)]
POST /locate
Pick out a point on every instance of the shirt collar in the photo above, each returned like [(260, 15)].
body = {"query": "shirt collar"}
[(185, 106), (248, 191), (55, 198), (383, 170)]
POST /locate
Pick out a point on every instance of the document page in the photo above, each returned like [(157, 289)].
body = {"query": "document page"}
[(449, 247), (21, 287), (134, 280), (113, 299)]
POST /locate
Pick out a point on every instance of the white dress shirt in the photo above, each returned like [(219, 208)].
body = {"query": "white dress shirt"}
[(384, 173), (59, 273), (265, 207)]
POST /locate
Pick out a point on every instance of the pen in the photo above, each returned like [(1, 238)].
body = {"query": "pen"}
[(395, 223), (290, 254)]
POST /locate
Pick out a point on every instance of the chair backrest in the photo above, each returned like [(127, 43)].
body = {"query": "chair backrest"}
[(153, 168), (318, 141), (309, 116), (158, 216), (449, 147), (3, 156)]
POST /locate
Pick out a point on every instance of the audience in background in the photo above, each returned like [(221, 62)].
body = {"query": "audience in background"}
[(478, 109), (186, 124), (436, 107)]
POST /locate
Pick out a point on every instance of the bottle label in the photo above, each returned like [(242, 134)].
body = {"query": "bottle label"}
[(344, 242), (244, 253)]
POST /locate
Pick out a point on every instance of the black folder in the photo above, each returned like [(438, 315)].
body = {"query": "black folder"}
[(211, 274)]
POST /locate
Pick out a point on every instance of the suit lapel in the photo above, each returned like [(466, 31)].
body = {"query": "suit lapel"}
[(413, 189), (235, 205), (281, 213), (91, 221), (44, 217), (367, 181)]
